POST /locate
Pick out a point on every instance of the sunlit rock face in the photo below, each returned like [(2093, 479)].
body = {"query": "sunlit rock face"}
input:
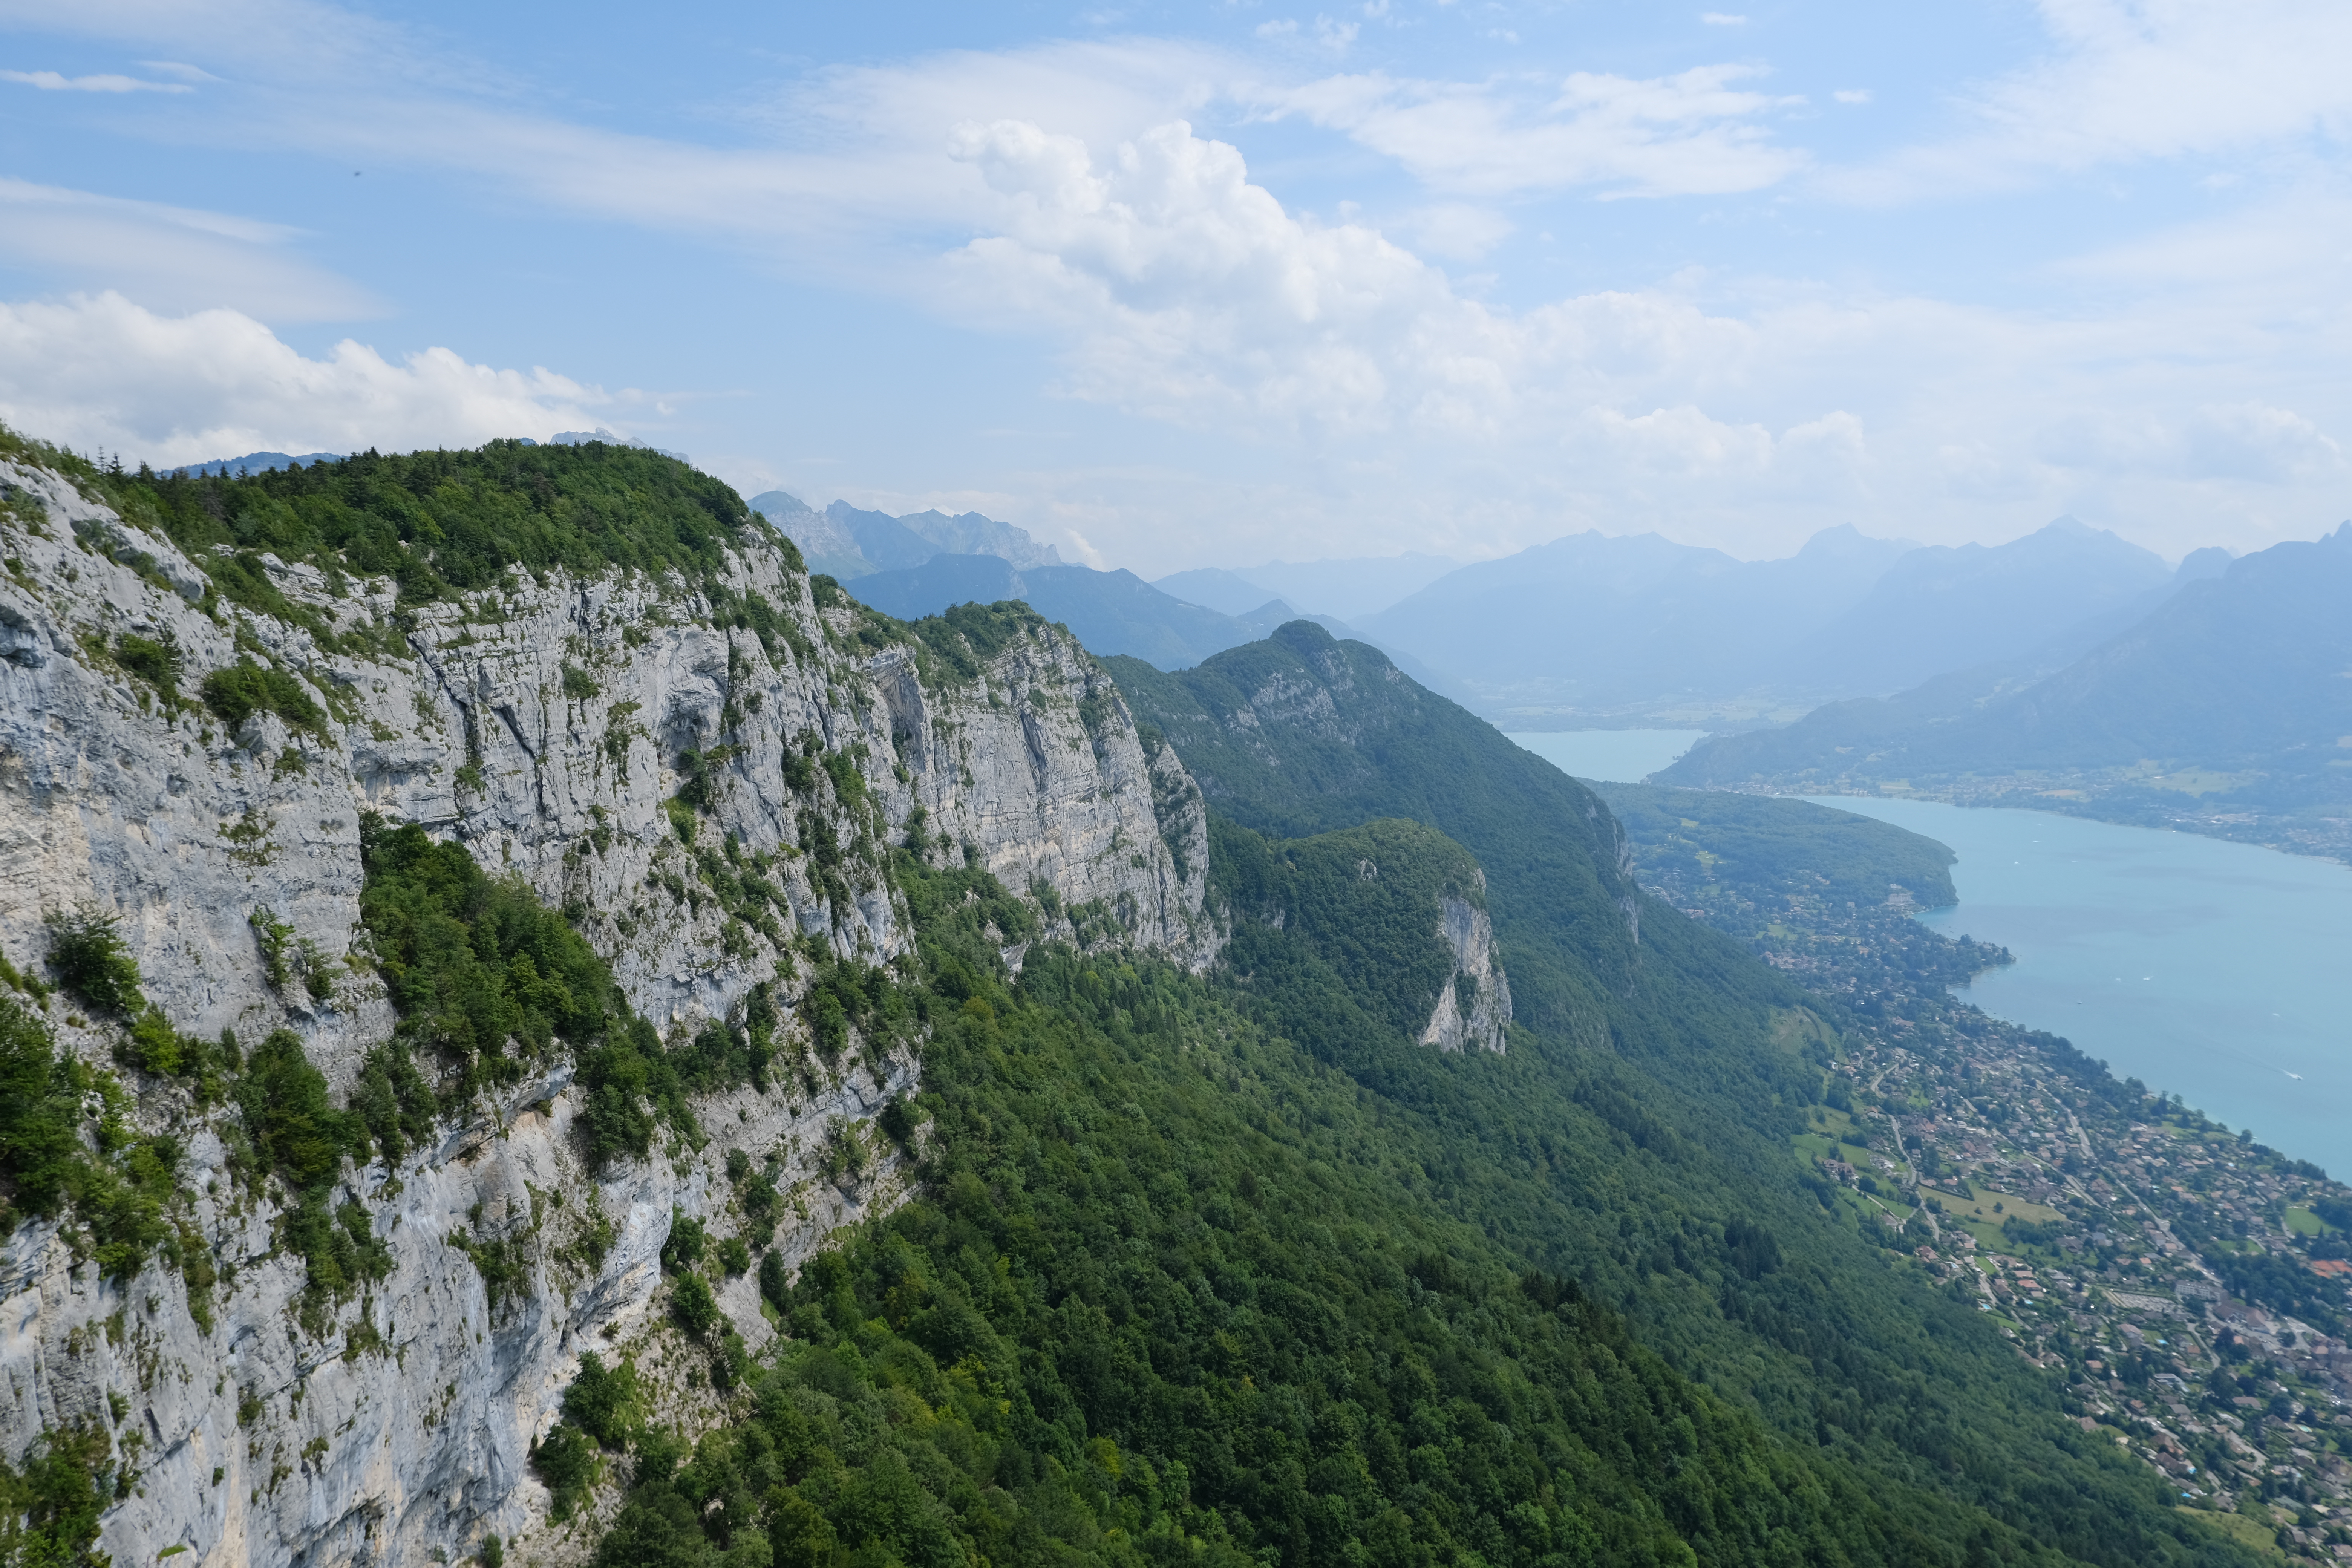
[(549, 726)]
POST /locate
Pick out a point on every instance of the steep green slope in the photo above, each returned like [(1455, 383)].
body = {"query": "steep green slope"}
[(1178, 1291), (1110, 611), (1768, 847), (1302, 733), (1634, 1169)]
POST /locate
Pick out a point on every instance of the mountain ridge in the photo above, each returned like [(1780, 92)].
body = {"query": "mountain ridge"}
[(2222, 708)]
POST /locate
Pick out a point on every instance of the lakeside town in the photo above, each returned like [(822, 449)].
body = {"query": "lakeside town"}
[(2188, 1288)]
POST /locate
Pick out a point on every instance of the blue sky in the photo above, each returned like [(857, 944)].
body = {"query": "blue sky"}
[(1180, 285)]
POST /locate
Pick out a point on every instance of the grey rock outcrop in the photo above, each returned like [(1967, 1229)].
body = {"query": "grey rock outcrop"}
[(549, 725), (1475, 1004)]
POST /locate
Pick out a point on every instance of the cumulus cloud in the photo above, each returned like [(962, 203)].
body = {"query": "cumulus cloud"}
[(1187, 291), (1694, 133), (101, 372), (1182, 289), (1459, 231), (1057, 191), (2250, 441)]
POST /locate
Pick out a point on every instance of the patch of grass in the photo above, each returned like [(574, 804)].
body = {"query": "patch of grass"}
[(2251, 1533), (1989, 1208)]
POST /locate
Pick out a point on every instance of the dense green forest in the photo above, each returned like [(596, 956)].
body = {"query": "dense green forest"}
[(1225, 1267), (1770, 847), (439, 522), (1177, 1289)]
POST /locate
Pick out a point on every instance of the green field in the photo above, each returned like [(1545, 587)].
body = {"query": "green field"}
[(2250, 1533)]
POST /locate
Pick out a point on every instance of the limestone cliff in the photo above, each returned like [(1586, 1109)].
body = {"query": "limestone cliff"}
[(549, 725), (1475, 1005)]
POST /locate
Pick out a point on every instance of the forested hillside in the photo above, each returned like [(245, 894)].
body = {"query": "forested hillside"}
[(1227, 1267)]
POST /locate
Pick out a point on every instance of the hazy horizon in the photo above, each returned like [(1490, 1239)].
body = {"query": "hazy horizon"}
[(1177, 285)]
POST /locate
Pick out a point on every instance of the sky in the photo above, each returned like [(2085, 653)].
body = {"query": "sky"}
[(1175, 285)]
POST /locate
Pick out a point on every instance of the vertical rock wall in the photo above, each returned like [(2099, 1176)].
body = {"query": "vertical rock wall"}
[(543, 725), (1477, 980)]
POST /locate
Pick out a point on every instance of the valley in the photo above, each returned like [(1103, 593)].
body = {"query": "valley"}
[(2184, 1287), (495, 941)]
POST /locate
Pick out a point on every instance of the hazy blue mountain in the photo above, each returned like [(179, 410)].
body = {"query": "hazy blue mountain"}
[(583, 438), (848, 544), (825, 544), (970, 534), (882, 539), (1595, 624), (1110, 611), (1350, 587), (1950, 608), (2228, 706), (1213, 587), (259, 463)]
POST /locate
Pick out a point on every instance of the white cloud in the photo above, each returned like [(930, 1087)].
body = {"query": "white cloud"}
[(1685, 440), (2125, 80), (1327, 35), (175, 258), (1455, 230), (1181, 290), (50, 81), (1075, 211), (1722, 19), (1691, 133), (1852, 95), (1187, 291), (100, 370), (2252, 442)]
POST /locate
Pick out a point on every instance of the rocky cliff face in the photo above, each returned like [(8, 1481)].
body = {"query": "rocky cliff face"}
[(550, 726), (1475, 1005)]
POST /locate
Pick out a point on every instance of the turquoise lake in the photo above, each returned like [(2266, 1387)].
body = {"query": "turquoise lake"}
[(1615, 756), (2220, 972), (2217, 972)]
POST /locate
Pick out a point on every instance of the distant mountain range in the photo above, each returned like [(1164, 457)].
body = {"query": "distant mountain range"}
[(1594, 627), (2227, 707), (257, 463), (921, 563), (848, 544), (1350, 588), (1114, 612)]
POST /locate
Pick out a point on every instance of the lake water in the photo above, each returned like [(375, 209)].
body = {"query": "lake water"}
[(1614, 756), (2220, 972)]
